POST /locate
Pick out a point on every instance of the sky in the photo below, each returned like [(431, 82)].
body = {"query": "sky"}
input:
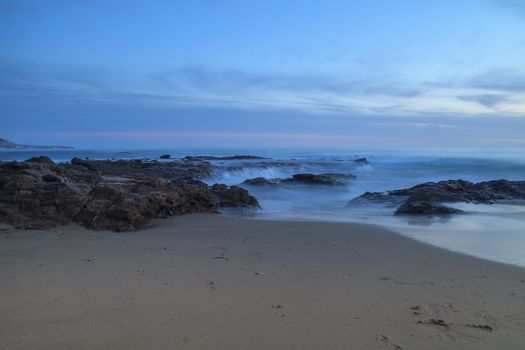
[(262, 73)]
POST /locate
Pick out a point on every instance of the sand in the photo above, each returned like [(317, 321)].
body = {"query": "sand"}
[(213, 282)]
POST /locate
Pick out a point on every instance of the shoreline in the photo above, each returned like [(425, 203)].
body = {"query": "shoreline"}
[(213, 281), (422, 232)]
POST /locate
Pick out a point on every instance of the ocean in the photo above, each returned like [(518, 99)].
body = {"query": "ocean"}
[(495, 232)]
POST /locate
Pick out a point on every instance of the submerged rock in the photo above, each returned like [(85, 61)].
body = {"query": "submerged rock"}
[(259, 181), (236, 157), (361, 161), (425, 208), (340, 176), (312, 179)]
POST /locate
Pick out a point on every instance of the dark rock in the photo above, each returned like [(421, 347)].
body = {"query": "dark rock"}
[(41, 159), (119, 196), (83, 163), (259, 181), (340, 176), (130, 205), (260, 165), (236, 157), (233, 197), (426, 197), (33, 192), (176, 171), (425, 208), (312, 179), (503, 189), (361, 161), (165, 156)]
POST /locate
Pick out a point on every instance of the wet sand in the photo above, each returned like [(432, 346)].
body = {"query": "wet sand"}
[(212, 282)]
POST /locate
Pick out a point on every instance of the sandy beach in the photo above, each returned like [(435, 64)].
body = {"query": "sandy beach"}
[(213, 282)]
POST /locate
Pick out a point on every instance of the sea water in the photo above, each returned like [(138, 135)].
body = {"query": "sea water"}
[(495, 232)]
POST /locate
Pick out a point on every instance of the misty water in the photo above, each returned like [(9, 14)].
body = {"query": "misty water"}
[(495, 232)]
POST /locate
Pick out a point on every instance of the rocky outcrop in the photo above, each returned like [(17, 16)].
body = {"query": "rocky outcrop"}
[(180, 172), (119, 196), (426, 199), (233, 197), (328, 179), (312, 179), (236, 157), (122, 204), (38, 193), (165, 156)]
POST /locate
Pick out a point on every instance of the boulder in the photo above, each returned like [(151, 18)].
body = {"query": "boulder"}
[(165, 156)]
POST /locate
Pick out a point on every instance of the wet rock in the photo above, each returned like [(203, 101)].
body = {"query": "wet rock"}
[(361, 161), (259, 181), (312, 179), (34, 192), (236, 157), (128, 206), (425, 199), (165, 156), (340, 176), (425, 208), (118, 196), (233, 197), (177, 171)]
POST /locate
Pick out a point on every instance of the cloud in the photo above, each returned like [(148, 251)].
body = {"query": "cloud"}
[(484, 100), (502, 79), (202, 78), (516, 7), (403, 124), (314, 93)]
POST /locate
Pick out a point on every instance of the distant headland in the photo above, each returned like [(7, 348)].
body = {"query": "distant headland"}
[(11, 145)]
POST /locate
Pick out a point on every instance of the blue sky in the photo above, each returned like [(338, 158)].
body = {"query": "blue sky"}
[(322, 74)]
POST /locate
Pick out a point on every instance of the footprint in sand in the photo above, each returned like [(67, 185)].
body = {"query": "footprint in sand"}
[(219, 248), (279, 307), (381, 338), (384, 339), (406, 283), (210, 285), (220, 257), (254, 254)]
